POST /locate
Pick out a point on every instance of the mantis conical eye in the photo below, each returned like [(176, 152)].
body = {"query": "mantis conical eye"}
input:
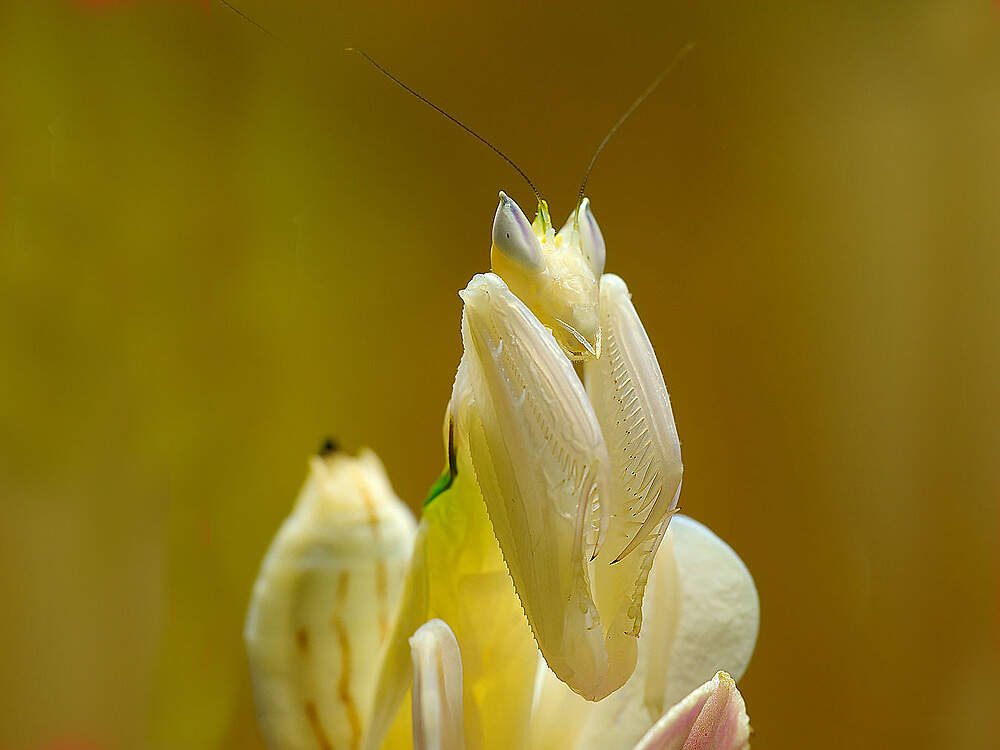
[(514, 237), (591, 239)]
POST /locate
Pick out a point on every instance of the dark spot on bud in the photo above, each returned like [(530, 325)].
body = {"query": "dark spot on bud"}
[(328, 447), (302, 639)]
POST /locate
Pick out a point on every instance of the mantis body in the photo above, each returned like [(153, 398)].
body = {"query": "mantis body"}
[(579, 479), (556, 490)]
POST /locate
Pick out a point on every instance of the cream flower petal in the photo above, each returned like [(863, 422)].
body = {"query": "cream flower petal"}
[(437, 688), (323, 604), (719, 615), (712, 717)]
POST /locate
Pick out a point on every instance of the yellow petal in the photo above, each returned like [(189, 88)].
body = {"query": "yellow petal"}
[(458, 575)]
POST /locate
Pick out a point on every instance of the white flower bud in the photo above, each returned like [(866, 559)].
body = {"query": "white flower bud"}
[(324, 602)]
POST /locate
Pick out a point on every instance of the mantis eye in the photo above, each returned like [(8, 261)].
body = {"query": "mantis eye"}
[(513, 235), (591, 239)]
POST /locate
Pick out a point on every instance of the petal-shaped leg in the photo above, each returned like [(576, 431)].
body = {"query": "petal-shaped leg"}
[(626, 389), (630, 399), (540, 462), (437, 688), (323, 604), (712, 717)]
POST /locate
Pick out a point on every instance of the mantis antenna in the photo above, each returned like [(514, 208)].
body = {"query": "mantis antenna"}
[(246, 18), (628, 113), (440, 111), (410, 90)]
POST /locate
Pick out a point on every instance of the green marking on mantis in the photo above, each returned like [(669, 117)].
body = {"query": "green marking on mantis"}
[(441, 484), (447, 477)]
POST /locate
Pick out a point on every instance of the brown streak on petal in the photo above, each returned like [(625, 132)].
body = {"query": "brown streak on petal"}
[(344, 684), (313, 716)]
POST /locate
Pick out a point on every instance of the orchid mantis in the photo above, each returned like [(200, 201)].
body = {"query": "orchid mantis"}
[(579, 480)]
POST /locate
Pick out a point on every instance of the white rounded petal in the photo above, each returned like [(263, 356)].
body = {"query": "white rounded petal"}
[(719, 611), (437, 688)]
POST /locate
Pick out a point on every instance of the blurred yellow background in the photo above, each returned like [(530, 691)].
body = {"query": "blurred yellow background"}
[(217, 248)]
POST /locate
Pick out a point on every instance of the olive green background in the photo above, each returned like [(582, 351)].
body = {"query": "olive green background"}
[(217, 248)]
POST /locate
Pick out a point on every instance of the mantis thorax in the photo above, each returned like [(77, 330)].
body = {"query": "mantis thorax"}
[(556, 274)]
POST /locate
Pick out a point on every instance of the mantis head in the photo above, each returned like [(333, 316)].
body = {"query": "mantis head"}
[(556, 274)]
